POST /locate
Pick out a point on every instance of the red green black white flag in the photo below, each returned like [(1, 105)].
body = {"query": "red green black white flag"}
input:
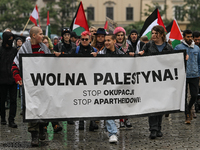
[(174, 33), (153, 20), (35, 16), (48, 28), (79, 23)]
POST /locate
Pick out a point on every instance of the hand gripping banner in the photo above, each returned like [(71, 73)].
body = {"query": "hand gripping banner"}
[(63, 88)]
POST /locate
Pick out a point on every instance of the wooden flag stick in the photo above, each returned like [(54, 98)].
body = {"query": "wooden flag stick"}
[(25, 26)]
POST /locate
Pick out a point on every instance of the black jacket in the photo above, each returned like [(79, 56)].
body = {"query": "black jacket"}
[(7, 56), (60, 47), (138, 44), (150, 48)]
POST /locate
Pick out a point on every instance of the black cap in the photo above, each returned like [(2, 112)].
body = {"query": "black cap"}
[(66, 30)]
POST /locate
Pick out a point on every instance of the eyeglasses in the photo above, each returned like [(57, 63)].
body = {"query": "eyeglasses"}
[(46, 43), (84, 39), (120, 35)]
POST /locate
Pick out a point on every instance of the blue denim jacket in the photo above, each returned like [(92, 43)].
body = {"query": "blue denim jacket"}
[(193, 63)]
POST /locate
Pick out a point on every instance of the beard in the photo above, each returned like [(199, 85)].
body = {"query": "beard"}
[(189, 42)]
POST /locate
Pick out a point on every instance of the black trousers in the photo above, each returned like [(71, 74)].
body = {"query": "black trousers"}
[(194, 89), (12, 88), (155, 123)]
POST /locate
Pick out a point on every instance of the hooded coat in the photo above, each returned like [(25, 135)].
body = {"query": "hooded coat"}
[(7, 55), (137, 45)]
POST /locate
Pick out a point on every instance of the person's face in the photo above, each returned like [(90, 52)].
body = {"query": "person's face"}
[(55, 41), (85, 40), (156, 36), (100, 38), (92, 31), (39, 36), (45, 41), (73, 39), (19, 43), (109, 42), (120, 37), (66, 37), (134, 36), (188, 39), (196, 40)]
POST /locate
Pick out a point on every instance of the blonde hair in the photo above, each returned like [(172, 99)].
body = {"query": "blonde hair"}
[(92, 27), (49, 41)]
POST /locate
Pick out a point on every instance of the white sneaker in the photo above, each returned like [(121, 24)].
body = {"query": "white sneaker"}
[(113, 139)]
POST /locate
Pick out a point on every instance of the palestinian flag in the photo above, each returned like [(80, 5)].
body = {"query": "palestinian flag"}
[(174, 33), (35, 16), (153, 20), (48, 28), (106, 26), (79, 23)]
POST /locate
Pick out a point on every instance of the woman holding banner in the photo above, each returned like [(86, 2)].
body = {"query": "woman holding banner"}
[(157, 44), (122, 45)]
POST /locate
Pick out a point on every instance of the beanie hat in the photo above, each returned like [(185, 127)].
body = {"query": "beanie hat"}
[(18, 38), (119, 29), (55, 37), (65, 30), (134, 31)]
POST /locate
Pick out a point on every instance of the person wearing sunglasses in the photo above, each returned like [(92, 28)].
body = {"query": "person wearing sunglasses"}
[(99, 39), (86, 49), (66, 46)]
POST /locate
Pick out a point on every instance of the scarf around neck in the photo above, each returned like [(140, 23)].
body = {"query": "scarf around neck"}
[(119, 46)]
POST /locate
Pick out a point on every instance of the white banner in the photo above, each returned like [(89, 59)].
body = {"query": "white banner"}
[(91, 87)]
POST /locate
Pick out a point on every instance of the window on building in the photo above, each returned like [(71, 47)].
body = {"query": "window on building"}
[(129, 13), (178, 14), (90, 13), (109, 12)]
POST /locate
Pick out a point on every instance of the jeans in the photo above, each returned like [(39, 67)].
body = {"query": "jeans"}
[(111, 127), (12, 89), (194, 89)]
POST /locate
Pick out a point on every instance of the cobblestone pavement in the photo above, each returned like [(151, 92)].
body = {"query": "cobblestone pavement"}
[(177, 135)]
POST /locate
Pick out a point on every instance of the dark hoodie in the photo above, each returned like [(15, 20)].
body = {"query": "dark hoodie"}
[(7, 55), (134, 45)]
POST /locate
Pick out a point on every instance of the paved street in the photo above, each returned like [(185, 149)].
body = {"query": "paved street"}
[(177, 135)]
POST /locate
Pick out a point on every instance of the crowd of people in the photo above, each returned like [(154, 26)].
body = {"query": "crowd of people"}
[(94, 42)]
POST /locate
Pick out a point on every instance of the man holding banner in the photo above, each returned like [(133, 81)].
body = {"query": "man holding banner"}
[(158, 44), (85, 48), (34, 46)]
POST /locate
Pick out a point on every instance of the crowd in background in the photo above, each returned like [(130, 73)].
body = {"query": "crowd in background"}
[(96, 41)]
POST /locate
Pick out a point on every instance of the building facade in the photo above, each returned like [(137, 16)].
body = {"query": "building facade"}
[(125, 12)]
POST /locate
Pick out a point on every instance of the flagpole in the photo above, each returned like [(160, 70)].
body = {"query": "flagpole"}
[(25, 26)]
